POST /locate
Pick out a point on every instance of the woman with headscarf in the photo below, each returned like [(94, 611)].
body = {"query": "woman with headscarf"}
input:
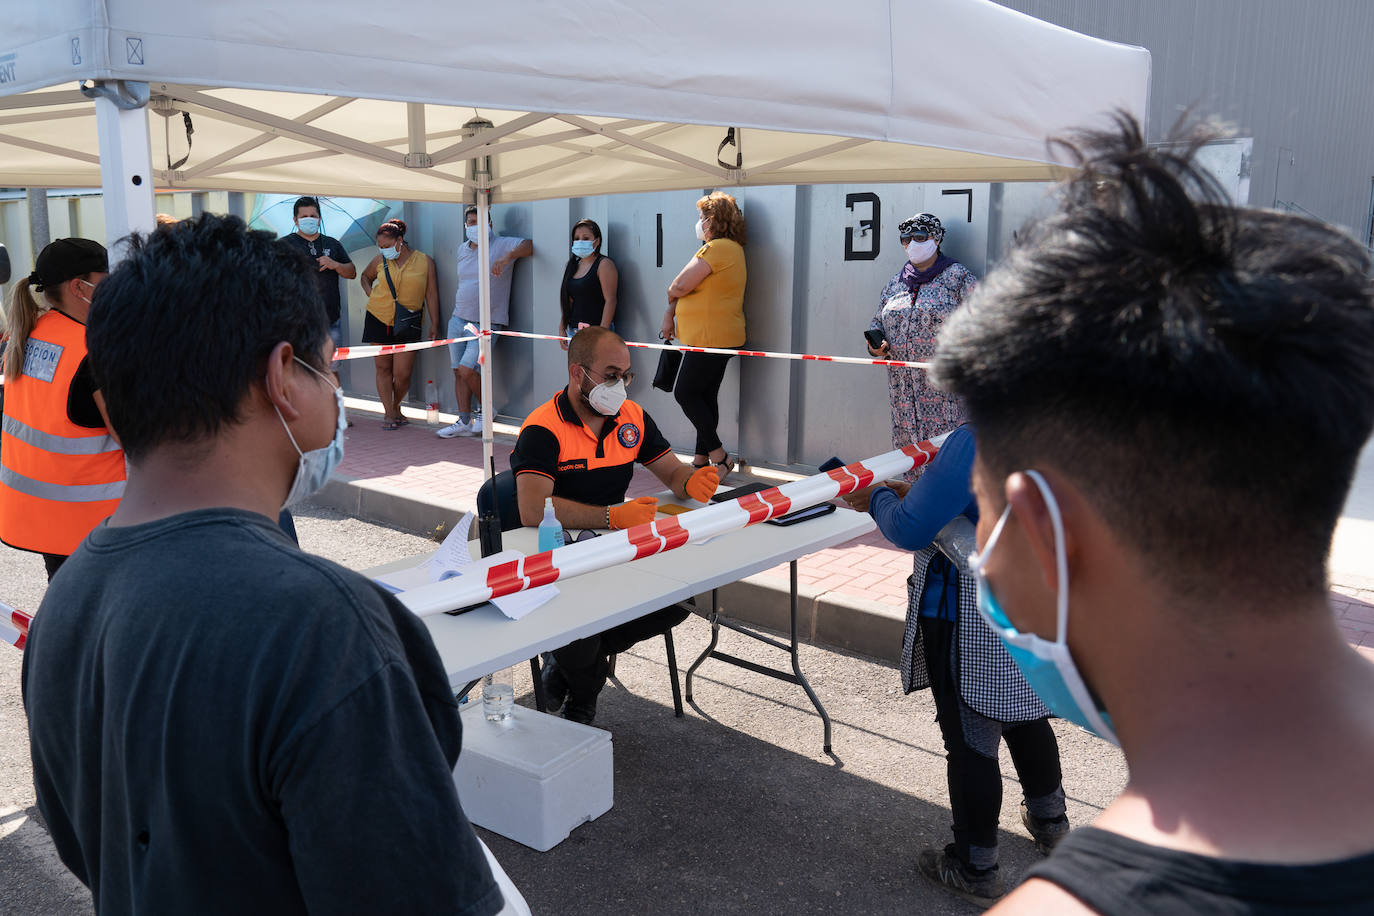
[(61, 471), (913, 306), (399, 282)]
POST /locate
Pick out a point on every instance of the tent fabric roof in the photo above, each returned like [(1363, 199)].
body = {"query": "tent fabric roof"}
[(598, 97)]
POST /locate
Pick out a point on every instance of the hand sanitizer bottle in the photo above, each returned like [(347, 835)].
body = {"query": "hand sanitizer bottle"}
[(550, 531)]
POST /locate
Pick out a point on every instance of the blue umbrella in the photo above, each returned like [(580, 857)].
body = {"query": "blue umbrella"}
[(351, 220)]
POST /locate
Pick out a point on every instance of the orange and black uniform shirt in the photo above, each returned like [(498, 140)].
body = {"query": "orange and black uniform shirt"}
[(585, 466)]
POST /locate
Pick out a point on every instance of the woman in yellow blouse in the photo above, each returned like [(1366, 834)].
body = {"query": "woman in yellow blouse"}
[(706, 309), (415, 286)]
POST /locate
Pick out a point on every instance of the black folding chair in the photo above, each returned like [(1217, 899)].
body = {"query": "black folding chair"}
[(498, 496)]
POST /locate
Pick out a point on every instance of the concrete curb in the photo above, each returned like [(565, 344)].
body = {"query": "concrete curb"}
[(828, 619)]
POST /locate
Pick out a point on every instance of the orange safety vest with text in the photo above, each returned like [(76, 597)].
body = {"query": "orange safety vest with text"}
[(58, 480)]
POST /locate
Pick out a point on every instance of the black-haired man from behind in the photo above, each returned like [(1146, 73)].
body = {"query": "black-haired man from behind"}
[(220, 723), (1170, 395)]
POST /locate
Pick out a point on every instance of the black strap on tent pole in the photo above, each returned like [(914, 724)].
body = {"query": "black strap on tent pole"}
[(729, 141), (173, 166)]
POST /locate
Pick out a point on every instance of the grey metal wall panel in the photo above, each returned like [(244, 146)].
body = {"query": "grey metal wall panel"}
[(1295, 76)]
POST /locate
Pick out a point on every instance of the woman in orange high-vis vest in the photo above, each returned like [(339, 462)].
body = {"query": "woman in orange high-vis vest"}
[(61, 470)]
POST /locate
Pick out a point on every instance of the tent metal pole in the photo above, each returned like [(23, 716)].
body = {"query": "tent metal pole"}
[(126, 161), (484, 345)]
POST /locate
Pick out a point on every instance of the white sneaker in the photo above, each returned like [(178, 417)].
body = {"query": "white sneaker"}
[(476, 426), (456, 428)]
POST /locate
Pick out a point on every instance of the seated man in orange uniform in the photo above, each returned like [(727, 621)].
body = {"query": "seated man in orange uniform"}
[(580, 447)]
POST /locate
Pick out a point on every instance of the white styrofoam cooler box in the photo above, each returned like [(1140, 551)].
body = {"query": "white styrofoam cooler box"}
[(534, 778)]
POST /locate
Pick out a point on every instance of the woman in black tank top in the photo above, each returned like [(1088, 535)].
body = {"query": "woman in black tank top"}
[(590, 283)]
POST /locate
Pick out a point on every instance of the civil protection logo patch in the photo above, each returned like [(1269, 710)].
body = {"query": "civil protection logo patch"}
[(628, 434)]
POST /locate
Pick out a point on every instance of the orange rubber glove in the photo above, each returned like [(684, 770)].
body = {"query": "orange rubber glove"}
[(634, 512), (701, 486)]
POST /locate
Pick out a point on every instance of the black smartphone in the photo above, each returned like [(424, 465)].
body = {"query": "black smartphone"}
[(831, 464), (875, 339)]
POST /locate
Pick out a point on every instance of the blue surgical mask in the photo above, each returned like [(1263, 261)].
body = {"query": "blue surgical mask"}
[(583, 247), (1047, 665), (474, 234), (317, 464), (391, 253), (310, 225)]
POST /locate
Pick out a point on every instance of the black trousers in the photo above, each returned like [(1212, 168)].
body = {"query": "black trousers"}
[(586, 662), (974, 776), (52, 562), (698, 393)]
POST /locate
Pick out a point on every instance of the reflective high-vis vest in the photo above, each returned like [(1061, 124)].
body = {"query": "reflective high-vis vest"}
[(57, 479)]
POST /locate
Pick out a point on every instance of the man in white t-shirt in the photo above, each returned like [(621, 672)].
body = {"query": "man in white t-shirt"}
[(467, 307)]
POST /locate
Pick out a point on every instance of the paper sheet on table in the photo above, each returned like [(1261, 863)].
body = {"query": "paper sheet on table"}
[(453, 554), (453, 559)]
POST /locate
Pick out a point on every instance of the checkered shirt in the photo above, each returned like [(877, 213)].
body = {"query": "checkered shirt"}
[(989, 681)]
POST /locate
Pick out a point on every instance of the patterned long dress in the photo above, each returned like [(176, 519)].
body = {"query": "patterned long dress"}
[(919, 409)]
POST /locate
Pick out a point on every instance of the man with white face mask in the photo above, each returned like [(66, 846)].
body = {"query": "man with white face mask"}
[(580, 448), (1160, 580), (467, 307), (219, 722)]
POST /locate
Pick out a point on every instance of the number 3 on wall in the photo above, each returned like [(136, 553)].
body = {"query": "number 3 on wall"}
[(872, 228)]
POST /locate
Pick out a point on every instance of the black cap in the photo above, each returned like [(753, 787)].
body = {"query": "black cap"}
[(63, 259)]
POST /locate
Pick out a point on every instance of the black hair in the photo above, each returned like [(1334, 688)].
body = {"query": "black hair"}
[(304, 202), (1201, 371), (180, 331), (564, 301)]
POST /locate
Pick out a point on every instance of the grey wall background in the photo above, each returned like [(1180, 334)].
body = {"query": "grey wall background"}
[(1296, 76), (803, 296)]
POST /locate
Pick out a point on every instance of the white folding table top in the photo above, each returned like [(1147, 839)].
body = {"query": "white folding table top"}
[(482, 640)]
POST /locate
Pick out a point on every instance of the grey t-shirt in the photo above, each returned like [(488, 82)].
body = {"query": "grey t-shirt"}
[(221, 723), (467, 301)]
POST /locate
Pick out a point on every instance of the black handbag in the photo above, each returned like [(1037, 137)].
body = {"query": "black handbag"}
[(403, 320), (669, 362)]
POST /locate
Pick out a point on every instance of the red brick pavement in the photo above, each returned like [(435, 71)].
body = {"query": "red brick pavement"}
[(415, 461)]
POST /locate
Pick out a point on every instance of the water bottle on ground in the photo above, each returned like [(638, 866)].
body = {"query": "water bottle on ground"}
[(431, 402), (550, 530), (498, 700)]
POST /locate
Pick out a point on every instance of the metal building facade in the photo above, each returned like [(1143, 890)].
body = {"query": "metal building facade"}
[(1296, 76)]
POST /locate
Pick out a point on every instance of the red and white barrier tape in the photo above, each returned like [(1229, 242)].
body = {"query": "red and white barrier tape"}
[(663, 534), (384, 349), (14, 626)]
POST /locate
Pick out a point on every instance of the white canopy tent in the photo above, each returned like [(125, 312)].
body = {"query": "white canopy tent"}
[(523, 100)]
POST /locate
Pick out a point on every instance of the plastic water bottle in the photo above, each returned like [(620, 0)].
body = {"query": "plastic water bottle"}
[(957, 541), (550, 531), (431, 402)]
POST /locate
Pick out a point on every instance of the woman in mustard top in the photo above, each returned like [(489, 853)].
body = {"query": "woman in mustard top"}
[(706, 309), (416, 287)]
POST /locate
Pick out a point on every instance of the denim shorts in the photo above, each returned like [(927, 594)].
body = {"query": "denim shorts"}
[(465, 353)]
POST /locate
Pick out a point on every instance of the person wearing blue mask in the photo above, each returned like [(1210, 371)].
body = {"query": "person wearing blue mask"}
[(1171, 394), (980, 696), (591, 283), (196, 667), (467, 309), (329, 255)]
